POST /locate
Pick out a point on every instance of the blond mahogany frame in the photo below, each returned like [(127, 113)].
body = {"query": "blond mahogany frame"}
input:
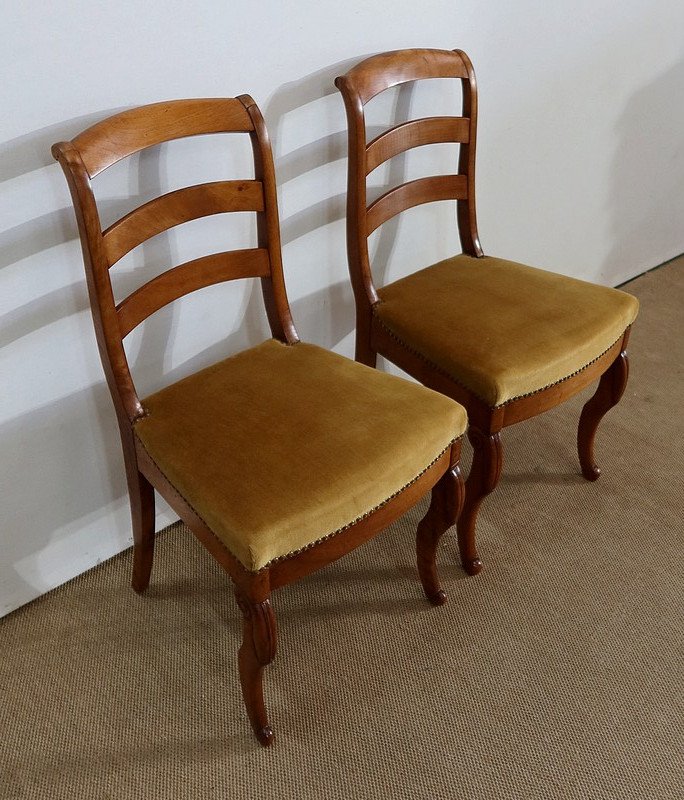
[(359, 85), (84, 158)]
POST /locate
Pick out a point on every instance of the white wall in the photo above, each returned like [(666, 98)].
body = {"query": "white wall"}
[(580, 170)]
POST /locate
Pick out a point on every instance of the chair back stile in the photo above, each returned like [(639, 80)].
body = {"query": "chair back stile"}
[(268, 229), (358, 87), (103, 308), (465, 209), (127, 133)]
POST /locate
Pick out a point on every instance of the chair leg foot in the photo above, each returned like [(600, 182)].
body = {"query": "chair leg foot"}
[(445, 507), (265, 736), (483, 478), (472, 567), (258, 649), (141, 495), (610, 389), (142, 568), (439, 598)]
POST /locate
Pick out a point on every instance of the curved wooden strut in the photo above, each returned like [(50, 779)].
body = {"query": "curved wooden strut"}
[(610, 389), (448, 496), (258, 649), (483, 478)]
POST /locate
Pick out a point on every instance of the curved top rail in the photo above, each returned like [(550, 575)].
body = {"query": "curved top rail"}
[(126, 133), (377, 73)]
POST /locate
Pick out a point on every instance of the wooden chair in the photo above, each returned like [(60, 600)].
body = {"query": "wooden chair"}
[(284, 457), (506, 340)]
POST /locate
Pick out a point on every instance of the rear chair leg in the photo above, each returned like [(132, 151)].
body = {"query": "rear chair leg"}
[(364, 353), (258, 649), (447, 501), (610, 389), (141, 496)]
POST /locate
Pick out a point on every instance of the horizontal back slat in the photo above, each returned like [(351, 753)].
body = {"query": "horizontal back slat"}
[(188, 277), (122, 135), (417, 132), (377, 73), (414, 193), (178, 207)]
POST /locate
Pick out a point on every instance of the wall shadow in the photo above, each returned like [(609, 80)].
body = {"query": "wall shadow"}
[(40, 234), (68, 460), (49, 230), (647, 201), (292, 96), (32, 150)]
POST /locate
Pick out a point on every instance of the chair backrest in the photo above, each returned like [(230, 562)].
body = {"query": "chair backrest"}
[(124, 134), (363, 82)]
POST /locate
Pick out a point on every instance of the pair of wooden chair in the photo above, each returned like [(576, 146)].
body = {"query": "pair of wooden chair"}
[(284, 457)]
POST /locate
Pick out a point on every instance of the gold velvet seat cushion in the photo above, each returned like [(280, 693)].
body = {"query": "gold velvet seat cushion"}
[(500, 329), (281, 446)]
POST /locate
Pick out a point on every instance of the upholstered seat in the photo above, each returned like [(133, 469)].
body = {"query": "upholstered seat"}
[(282, 445), (503, 330)]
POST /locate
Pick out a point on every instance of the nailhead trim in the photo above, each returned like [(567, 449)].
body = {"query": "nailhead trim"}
[(567, 377), (190, 505), (366, 513), (324, 538), (444, 372)]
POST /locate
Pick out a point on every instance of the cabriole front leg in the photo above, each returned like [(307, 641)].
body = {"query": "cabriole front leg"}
[(445, 507), (610, 389), (258, 649), (483, 478)]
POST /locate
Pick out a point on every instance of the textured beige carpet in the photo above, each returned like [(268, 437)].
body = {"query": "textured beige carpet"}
[(556, 673)]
